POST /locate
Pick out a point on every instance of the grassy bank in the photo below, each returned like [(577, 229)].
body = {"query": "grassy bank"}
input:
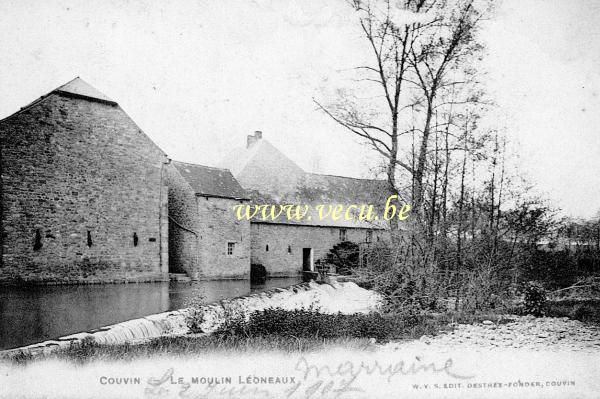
[(191, 345), (298, 331), (301, 331)]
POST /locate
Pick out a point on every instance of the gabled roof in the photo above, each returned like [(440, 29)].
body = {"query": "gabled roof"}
[(328, 191), (77, 88), (80, 88), (270, 177), (209, 181), (261, 166), (341, 189)]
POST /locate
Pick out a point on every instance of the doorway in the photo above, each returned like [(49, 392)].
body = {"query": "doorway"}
[(307, 260)]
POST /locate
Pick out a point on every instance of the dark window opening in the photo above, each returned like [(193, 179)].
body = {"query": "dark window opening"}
[(230, 248), (342, 234), (289, 249), (369, 237), (89, 239), (135, 240), (152, 239), (37, 245), (307, 259), (267, 248)]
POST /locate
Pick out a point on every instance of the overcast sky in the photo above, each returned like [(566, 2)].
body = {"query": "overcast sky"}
[(197, 76)]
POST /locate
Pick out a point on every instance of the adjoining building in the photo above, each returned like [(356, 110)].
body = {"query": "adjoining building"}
[(206, 241), (87, 197), (289, 247)]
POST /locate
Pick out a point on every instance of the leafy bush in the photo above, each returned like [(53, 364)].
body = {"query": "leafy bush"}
[(307, 323), (344, 256), (312, 324), (195, 303), (583, 310), (406, 282), (535, 299), (194, 320)]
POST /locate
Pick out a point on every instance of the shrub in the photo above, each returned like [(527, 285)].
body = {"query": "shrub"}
[(312, 324), (535, 299), (195, 317), (194, 320), (344, 256), (583, 310), (298, 323)]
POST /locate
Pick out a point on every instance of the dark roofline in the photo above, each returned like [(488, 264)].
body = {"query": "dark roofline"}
[(345, 177), (318, 225), (65, 94), (26, 107), (222, 196), (209, 194), (80, 96), (203, 166)]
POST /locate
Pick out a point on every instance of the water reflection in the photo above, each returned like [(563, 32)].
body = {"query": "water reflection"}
[(33, 314)]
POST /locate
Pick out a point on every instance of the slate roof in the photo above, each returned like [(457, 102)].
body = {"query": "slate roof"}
[(323, 188), (261, 167), (209, 181)]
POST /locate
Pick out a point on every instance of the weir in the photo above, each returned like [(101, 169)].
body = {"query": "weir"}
[(335, 297)]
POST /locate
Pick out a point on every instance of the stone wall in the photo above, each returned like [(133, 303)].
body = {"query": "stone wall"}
[(83, 196), (200, 229), (184, 225), (284, 255), (219, 227)]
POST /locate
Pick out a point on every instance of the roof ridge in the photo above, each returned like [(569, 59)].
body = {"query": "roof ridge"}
[(203, 166), (79, 88), (344, 177)]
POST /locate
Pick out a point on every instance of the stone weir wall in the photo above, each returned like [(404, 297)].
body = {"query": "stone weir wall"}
[(336, 297)]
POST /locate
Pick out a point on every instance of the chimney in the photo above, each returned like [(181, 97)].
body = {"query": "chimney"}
[(253, 139)]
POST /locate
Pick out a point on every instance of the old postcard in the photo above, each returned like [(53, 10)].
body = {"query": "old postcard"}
[(300, 199)]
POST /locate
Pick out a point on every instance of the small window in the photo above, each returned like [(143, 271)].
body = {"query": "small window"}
[(343, 235), (135, 239), (37, 245), (267, 248), (289, 249), (230, 247), (369, 237)]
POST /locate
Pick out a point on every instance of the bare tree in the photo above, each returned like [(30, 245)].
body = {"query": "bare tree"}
[(417, 47)]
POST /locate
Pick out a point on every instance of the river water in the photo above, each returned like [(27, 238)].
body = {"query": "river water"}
[(38, 313)]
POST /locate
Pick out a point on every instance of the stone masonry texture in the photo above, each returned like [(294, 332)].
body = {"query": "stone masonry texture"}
[(286, 242), (184, 228), (200, 229), (83, 195)]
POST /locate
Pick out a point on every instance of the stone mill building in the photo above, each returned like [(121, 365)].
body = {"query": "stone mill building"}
[(288, 247), (84, 197), (87, 197)]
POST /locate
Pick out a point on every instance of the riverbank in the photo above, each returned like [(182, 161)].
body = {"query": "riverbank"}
[(34, 314), (457, 364), (328, 298), (329, 342)]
